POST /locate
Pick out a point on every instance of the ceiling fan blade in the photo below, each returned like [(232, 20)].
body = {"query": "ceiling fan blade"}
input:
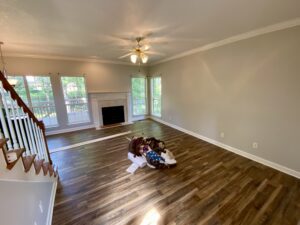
[(155, 53), (124, 56), (145, 47)]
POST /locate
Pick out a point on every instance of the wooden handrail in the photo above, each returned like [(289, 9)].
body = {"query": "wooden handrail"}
[(20, 102)]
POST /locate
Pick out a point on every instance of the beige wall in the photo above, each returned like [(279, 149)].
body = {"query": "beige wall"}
[(250, 90), (100, 77)]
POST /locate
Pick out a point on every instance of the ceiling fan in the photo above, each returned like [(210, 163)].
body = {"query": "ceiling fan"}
[(140, 53)]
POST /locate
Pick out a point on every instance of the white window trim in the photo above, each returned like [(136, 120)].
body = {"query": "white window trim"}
[(24, 76), (151, 96), (146, 94), (87, 97)]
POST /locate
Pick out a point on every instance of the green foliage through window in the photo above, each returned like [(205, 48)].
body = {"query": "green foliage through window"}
[(42, 99), (75, 99), (20, 87), (156, 96), (138, 85), (38, 96)]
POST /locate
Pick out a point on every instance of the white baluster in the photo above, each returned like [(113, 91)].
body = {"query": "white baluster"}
[(8, 117), (37, 141), (1, 134), (15, 119), (4, 126), (30, 127), (21, 119), (44, 146), (41, 147), (25, 116)]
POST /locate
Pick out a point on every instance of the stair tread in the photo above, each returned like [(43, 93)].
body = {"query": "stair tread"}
[(53, 170), (19, 152), (45, 167), (28, 161), (38, 165)]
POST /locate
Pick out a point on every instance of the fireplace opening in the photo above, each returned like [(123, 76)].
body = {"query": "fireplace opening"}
[(113, 115)]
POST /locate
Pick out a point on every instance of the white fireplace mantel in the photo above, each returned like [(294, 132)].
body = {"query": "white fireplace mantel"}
[(107, 99)]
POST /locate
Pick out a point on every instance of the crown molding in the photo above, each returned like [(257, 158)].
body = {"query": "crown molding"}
[(67, 58), (236, 38)]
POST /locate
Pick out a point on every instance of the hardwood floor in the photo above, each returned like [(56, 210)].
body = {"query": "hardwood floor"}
[(209, 185), (61, 140)]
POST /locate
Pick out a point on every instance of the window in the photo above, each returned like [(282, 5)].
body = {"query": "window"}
[(75, 99), (156, 96), (37, 94), (20, 88), (41, 99), (138, 86)]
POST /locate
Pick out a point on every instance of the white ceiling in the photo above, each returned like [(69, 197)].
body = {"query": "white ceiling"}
[(88, 29)]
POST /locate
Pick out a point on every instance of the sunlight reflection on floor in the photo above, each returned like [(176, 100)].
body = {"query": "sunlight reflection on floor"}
[(151, 218)]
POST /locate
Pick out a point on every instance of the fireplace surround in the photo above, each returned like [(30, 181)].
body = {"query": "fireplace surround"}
[(101, 100)]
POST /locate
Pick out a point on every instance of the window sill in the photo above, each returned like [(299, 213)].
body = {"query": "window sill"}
[(77, 123)]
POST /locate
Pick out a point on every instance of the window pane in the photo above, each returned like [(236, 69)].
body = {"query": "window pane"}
[(138, 95), (156, 96), (20, 87), (75, 99), (42, 99)]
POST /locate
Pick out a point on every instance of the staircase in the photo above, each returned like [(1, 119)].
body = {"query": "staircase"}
[(24, 153)]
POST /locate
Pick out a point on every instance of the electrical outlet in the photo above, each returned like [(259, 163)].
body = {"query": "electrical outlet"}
[(255, 145), (222, 134)]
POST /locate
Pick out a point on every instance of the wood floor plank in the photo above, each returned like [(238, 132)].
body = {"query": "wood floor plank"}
[(208, 186)]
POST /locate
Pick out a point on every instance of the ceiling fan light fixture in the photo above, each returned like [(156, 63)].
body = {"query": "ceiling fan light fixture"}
[(144, 58), (133, 58), (146, 47)]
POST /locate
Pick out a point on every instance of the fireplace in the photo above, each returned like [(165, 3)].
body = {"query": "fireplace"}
[(113, 115), (101, 101)]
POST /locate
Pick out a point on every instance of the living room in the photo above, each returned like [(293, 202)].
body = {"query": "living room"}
[(217, 82)]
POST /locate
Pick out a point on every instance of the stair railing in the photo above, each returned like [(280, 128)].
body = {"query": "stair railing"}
[(19, 125)]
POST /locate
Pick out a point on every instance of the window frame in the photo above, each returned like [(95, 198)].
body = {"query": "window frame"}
[(151, 95), (87, 98), (146, 94), (29, 99), (25, 86)]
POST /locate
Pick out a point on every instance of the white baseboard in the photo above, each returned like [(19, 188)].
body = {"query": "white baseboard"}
[(51, 204), (48, 133), (258, 159)]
